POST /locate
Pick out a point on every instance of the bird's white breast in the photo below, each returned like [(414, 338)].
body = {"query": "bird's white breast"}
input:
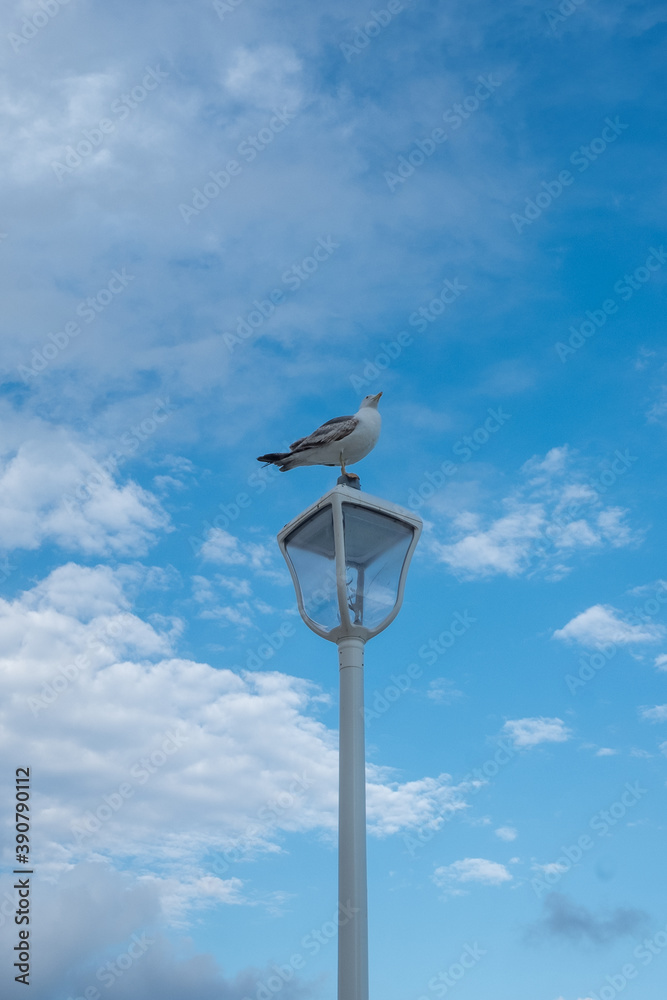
[(364, 437)]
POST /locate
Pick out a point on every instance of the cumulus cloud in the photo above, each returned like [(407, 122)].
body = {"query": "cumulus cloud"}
[(602, 624), (506, 833), (530, 732), (657, 714), (423, 804), (443, 691), (266, 76), (449, 877), (504, 547), (52, 490), (554, 511), (164, 761), (222, 547), (550, 868)]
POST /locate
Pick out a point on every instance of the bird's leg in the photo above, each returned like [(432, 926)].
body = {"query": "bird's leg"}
[(350, 475)]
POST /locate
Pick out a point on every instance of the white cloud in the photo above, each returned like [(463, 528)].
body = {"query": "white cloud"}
[(96, 699), (239, 614), (448, 877), (658, 411), (202, 590), (602, 624), (506, 833), (443, 691), (606, 752), (503, 548), (75, 611), (530, 732), (223, 547), (651, 589), (81, 591), (423, 804), (267, 77), (554, 462), (237, 587), (656, 714), (613, 529), (52, 490), (552, 513), (661, 661), (550, 868), (578, 534)]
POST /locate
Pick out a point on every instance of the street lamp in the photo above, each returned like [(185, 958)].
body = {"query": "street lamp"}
[(348, 555)]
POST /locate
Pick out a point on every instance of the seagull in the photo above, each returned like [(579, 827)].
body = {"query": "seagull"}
[(341, 441)]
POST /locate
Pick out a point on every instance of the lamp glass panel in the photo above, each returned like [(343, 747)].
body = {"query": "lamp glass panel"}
[(310, 549), (376, 546)]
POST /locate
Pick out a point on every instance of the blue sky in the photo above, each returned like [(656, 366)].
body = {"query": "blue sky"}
[(222, 224)]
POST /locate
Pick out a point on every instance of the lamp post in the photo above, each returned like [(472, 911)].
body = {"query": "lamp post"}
[(348, 555)]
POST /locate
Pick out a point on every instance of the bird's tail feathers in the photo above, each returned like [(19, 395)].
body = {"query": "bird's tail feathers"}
[(279, 458)]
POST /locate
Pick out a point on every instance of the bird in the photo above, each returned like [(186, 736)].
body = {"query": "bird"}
[(341, 441)]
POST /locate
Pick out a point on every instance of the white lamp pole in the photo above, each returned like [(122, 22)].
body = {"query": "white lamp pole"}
[(348, 555), (352, 932)]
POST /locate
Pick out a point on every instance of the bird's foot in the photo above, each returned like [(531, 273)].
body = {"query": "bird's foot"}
[(351, 475)]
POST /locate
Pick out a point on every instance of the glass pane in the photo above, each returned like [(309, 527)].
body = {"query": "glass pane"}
[(311, 551), (375, 549)]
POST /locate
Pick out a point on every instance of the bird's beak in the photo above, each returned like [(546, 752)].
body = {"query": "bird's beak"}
[(376, 398)]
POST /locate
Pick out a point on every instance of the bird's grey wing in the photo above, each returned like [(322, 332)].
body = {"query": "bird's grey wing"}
[(332, 430)]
